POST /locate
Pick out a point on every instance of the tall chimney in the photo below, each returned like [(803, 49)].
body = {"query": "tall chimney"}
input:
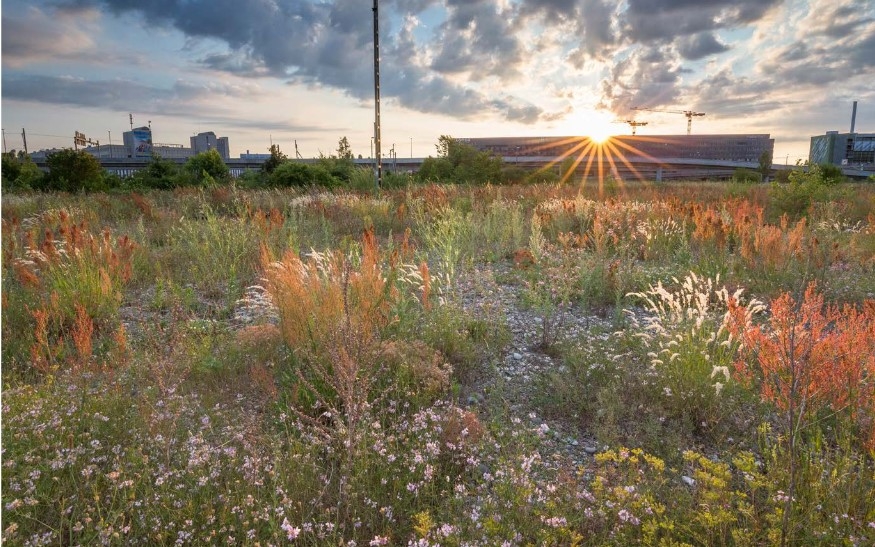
[(853, 117)]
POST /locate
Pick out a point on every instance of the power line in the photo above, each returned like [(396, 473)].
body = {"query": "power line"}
[(58, 136)]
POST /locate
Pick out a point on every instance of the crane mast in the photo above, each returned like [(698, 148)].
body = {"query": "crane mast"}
[(633, 124)]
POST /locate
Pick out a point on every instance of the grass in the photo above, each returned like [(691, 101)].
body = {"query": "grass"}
[(231, 366)]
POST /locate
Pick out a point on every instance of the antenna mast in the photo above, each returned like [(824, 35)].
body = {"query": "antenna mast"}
[(377, 94)]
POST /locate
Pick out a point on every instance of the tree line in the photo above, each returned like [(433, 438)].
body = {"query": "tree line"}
[(75, 171)]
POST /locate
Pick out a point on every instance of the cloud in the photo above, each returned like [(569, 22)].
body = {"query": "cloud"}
[(588, 24), (700, 45), (477, 38), (330, 44), (118, 94), (649, 21), (35, 35), (835, 43), (647, 78)]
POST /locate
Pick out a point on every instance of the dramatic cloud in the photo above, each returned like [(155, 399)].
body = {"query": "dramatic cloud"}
[(648, 21), (647, 78), (542, 63), (700, 45), (477, 38), (330, 44), (835, 43)]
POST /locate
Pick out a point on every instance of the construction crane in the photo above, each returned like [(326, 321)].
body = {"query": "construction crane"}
[(632, 123), (688, 113)]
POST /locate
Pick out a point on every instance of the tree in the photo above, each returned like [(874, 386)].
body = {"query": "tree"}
[(275, 160), (344, 151), (461, 163), (20, 172), (206, 166), (159, 173), (74, 170), (765, 164)]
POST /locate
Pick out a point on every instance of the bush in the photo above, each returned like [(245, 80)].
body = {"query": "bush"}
[(73, 171), (159, 174), (297, 174), (804, 188), (747, 176), (20, 172), (207, 168)]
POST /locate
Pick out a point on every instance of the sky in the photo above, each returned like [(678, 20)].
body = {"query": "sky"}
[(286, 71)]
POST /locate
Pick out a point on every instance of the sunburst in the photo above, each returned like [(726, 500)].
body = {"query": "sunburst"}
[(600, 156)]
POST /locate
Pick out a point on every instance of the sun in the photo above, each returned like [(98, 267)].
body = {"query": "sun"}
[(596, 125)]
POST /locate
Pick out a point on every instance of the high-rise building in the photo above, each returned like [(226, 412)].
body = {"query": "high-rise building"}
[(202, 142)]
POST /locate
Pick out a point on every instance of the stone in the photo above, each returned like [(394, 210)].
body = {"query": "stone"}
[(689, 481)]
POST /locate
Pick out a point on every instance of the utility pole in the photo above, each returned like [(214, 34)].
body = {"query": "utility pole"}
[(411, 147), (4, 141), (131, 118), (109, 134), (379, 180), (24, 140)]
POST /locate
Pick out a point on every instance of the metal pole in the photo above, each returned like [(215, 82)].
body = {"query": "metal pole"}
[(411, 147), (379, 181), (24, 140), (4, 141), (109, 134)]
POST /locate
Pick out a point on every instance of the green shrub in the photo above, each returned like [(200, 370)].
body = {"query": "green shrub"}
[(20, 172), (159, 174), (747, 176), (294, 174), (207, 168), (73, 171)]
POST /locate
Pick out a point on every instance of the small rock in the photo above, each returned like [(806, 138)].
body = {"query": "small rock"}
[(689, 481), (589, 449), (517, 356)]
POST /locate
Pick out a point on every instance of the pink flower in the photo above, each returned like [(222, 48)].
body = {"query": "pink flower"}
[(290, 531)]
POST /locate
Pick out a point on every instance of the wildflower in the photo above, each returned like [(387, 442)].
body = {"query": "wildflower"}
[(379, 540), (290, 531), (626, 516)]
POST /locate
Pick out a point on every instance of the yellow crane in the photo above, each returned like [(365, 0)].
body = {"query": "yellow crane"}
[(632, 123), (688, 113)]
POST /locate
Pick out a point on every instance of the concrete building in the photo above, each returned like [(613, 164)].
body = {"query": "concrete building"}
[(844, 149), (739, 148), (138, 142), (203, 142)]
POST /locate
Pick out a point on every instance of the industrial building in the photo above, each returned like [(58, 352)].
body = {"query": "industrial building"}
[(203, 142), (738, 148), (845, 149), (850, 150), (138, 144)]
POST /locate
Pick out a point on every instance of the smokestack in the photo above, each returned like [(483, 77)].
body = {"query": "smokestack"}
[(853, 117)]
